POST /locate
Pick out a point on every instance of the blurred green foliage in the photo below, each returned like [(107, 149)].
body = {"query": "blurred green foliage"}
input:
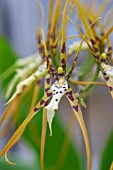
[(7, 58)]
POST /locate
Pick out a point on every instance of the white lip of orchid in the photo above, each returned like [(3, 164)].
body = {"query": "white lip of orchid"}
[(59, 88), (107, 69)]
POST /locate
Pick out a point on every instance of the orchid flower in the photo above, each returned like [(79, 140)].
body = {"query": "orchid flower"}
[(101, 62), (53, 94)]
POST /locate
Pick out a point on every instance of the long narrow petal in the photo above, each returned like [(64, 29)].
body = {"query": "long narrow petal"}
[(63, 43), (12, 144), (78, 113), (51, 69), (32, 127), (43, 137), (78, 51)]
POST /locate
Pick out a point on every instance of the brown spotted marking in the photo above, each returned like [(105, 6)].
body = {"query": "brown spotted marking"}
[(93, 42), (42, 102), (52, 36), (49, 94), (47, 89), (74, 103), (110, 88), (38, 82), (24, 86), (35, 76), (63, 49), (106, 78), (70, 96), (109, 53), (96, 56), (75, 108), (39, 39), (95, 49), (37, 109), (53, 47), (109, 84), (46, 103), (51, 69), (48, 80), (63, 61), (110, 48)]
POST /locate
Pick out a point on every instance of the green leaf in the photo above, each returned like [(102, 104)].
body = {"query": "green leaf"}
[(7, 55), (107, 156), (7, 59)]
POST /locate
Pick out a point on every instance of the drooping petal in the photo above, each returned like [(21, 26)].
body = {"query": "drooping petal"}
[(78, 113), (63, 42), (51, 69), (58, 92)]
